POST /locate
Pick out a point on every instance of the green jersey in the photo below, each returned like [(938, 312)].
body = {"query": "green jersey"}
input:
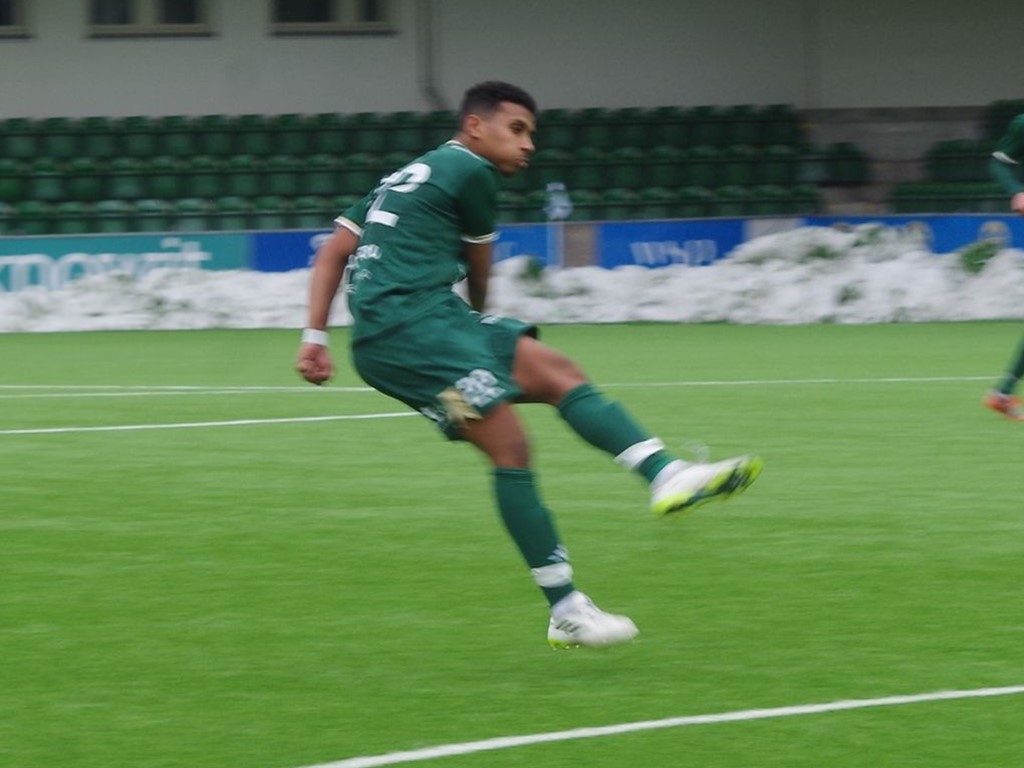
[(1008, 156), (411, 230)]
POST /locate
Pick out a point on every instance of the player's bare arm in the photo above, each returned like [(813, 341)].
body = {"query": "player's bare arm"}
[(478, 261), (314, 361)]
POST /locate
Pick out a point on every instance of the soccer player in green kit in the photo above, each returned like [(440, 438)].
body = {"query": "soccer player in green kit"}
[(1005, 168), (401, 249)]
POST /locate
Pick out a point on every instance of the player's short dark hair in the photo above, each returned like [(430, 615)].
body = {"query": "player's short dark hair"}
[(484, 98)]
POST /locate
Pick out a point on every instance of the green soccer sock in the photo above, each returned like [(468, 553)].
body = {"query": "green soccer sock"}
[(533, 530), (606, 425), (1008, 384)]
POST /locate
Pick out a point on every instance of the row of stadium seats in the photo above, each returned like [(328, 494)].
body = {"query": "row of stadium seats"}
[(167, 177), (235, 212), (949, 197), (382, 132)]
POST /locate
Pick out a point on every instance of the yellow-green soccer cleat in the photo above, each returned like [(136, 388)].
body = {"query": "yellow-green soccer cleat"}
[(576, 622), (681, 488)]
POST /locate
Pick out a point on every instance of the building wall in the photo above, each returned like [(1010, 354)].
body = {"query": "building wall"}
[(814, 54)]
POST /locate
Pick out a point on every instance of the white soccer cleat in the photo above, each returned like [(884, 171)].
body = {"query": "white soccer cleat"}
[(682, 487), (576, 622)]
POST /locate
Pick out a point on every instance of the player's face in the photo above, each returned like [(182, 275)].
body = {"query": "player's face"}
[(506, 137)]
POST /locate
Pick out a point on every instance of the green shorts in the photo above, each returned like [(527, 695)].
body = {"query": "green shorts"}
[(450, 367)]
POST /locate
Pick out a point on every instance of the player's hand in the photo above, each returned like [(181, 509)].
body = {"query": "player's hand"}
[(314, 363), (1017, 203)]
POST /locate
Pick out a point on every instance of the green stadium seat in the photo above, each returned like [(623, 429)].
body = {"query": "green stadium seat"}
[(626, 166), (47, 180), (510, 205), (291, 134), (666, 166), (253, 135), (6, 219), (313, 212), (243, 176), (737, 165), (694, 202), (214, 136), (329, 134), (618, 204), (588, 169), (138, 136), (19, 139), (671, 126), (86, 179), (58, 137), (231, 213), (657, 203), (272, 212), (394, 161), (741, 124), (368, 132), (165, 177), (126, 178), (533, 206), (99, 137), (192, 214), (114, 216), (631, 126), (730, 201), (153, 215), (780, 124), (281, 175), (204, 176), (12, 180), (595, 127), (407, 132), (72, 217), (441, 126), (32, 217), (777, 165), (702, 165), (556, 129), (586, 205), (708, 126), (549, 165), (321, 175), (806, 198), (355, 174), (341, 203), (769, 200), (176, 136)]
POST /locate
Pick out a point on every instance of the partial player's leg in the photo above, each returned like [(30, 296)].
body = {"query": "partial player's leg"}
[(1002, 399), (575, 620), (546, 375)]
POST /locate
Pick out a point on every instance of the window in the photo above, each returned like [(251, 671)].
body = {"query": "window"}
[(136, 18), (12, 19), (330, 17)]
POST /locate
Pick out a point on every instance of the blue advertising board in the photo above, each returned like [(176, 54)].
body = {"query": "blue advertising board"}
[(52, 262), (944, 233), (285, 251), (694, 242)]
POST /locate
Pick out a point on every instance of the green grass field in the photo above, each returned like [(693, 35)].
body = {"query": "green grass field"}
[(244, 588)]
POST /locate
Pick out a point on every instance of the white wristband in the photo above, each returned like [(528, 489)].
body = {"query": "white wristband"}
[(315, 336)]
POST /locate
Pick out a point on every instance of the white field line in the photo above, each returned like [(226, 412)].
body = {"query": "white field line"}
[(511, 742), (11, 391), (201, 424)]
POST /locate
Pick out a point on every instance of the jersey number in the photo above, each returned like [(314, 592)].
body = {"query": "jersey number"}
[(405, 180)]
